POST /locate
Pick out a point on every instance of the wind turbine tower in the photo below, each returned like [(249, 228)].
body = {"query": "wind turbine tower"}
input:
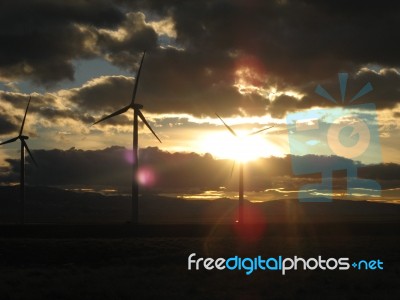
[(136, 114), (241, 175), (24, 146)]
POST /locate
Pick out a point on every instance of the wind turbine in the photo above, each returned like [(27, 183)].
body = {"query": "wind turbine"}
[(24, 146), (136, 113), (241, 179)]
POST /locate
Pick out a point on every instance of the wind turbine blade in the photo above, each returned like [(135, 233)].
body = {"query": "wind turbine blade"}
[(147, 124), (29, 152), (258, 131), (233, 168), (9, 141), (118, 112), (23, 121), (226, 125), (137, 79)]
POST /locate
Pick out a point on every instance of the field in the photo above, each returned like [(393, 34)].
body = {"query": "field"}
[(149, 261)]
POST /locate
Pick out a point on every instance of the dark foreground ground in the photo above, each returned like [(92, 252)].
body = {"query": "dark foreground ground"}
[(150, 261), (104, 258)]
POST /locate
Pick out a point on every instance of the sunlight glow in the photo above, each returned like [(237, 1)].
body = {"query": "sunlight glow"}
[(223, 145)]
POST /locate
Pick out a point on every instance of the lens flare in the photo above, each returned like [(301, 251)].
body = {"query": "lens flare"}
[(128, 155), (254, 227), (146, 176)]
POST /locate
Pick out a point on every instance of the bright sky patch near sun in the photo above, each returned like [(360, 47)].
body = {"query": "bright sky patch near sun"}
[(223, 145)]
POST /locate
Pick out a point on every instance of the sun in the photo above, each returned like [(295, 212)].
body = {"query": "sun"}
[(223, 145)]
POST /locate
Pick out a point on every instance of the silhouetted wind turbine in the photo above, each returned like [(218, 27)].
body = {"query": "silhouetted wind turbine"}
[(24, 146), (136, 113), (241, 179)]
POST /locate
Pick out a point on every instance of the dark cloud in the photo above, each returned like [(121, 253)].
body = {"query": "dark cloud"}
[(193, 83), (20, 101), (77, 104), (386, 171), (187, 172), (6, 126), (133, 37), (40, 38), (386, 88), (296, 39), (290, 45), (103, 94), (55, 115), (176, 93), (182, 86), (385, 93), (283, 104), (106, 94), (111, 167), (46, 106)]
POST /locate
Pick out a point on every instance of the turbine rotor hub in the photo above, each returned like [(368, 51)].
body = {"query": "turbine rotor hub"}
[(137, 106)]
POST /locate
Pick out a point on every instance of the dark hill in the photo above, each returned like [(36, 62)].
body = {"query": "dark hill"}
[(48, 205)]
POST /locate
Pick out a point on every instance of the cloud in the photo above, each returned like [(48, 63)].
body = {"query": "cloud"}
[(184, 86), (385, 93), (122, 46), (106, 93), (168, 172), (112, 167), (40, 38), (295, 45), (7, 126), (293, 38), (291, 46), (47, 106), (386, 171), (205, 56), (175, 93)]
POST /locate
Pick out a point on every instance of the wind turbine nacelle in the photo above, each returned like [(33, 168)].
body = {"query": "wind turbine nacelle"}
[(137, 106), (24, 137)]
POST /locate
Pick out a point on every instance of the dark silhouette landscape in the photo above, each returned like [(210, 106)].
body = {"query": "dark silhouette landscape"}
[(81, 245), (53, 205)]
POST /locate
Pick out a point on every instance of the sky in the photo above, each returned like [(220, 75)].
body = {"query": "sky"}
[(255, 63)]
